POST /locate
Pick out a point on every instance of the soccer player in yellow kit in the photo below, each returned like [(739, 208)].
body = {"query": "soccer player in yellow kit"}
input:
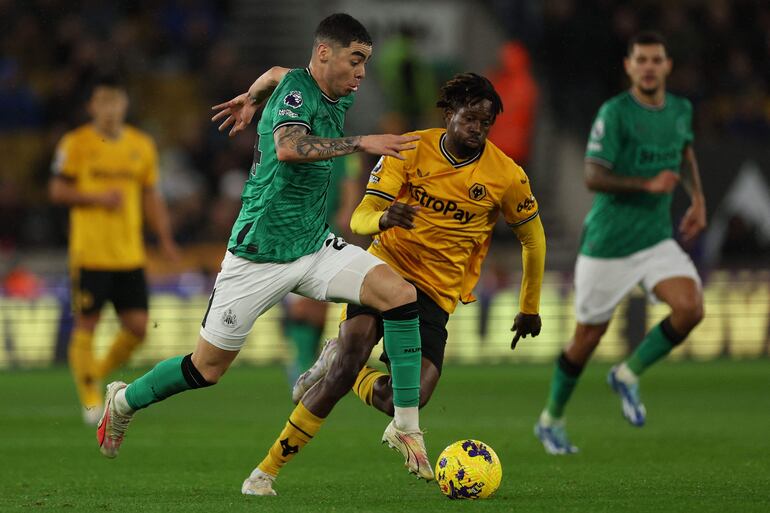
[(432, 216), (106, 172)]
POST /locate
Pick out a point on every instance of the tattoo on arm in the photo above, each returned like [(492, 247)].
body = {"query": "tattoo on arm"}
[(309, 147)]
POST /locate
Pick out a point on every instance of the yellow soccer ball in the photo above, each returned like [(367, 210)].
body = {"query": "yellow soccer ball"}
[(468, 469)]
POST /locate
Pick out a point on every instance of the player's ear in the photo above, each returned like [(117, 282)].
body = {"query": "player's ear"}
[(324, 51), (448, 113)]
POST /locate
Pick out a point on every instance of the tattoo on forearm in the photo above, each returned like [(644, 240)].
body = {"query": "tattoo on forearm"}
[(310, 146)]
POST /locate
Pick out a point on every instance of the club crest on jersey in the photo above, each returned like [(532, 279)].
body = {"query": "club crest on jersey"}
[(477, 192), (293, 99)]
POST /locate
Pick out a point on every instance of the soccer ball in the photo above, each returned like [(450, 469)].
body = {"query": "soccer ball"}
[(468, 469)]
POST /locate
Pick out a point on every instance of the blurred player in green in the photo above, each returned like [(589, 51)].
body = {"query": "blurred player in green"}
[(639, 148), (305, 318)]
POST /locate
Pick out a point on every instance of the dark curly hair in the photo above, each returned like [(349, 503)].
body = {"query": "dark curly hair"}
[(467, 89)]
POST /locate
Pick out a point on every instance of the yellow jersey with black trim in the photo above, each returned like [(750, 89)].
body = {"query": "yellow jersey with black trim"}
[(460, 201), (99, 238)]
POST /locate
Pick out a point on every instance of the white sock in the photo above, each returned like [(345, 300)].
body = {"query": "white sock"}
[(121, 405), (407, 419), (259, 473), (626, 375), (547, 420)]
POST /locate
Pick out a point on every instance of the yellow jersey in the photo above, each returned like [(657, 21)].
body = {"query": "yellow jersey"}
[(103, 239), (459, 202)]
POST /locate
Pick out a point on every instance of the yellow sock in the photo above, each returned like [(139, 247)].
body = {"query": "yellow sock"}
[(81, 359), (299, 430), (364, 385), (120, 351)]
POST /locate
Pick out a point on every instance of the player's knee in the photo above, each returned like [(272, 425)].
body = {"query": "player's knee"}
[(690, 311), (403, 294)]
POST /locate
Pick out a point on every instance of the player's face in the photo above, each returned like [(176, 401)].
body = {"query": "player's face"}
[(108, 105), (467, 128), (347, 67), (647, 67)]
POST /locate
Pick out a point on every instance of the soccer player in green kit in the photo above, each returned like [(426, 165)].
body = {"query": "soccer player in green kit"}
[(639, 148), (281, 243)]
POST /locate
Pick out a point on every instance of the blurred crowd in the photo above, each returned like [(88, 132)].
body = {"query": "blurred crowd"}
[(179, 59), (177, 62), (720, 50)]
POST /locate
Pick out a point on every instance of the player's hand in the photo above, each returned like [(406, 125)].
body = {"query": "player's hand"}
[(111, 200), (525, 324), (662, 183), (694, 221), (390, 145), (398, 214), (238, 112)]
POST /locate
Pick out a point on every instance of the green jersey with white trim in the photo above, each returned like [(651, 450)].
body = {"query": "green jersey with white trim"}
[(283, 216), (633, 139)]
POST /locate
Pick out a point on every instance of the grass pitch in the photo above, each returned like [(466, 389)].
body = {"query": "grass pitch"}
[(706, 446)]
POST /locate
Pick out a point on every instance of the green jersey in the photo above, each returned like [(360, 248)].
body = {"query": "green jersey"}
[(344, 169), (283, 216), (633, 139)]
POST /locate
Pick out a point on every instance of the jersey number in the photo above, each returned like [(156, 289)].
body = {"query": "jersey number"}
[(337, 243)]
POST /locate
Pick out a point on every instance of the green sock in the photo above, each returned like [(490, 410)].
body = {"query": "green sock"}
[(305, 338), (402, 343), (653, 347), (164, 380), (565, 377)]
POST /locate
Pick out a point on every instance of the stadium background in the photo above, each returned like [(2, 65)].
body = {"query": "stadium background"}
[(553, 62)]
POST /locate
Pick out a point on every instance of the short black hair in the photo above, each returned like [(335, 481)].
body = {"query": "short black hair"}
[(467, 89), (342, 29), (647, 37), (106, 79)]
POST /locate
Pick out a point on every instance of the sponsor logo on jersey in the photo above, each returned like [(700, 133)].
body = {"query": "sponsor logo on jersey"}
[(293, 99), (287, 112), (654, 156), (477, 192), (526, 205), (446, 207)]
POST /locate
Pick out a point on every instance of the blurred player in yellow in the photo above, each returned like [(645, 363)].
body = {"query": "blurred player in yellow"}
[(106, 172)]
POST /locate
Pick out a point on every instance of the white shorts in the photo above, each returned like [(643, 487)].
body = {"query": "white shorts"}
[(244, 289), (601, 283)]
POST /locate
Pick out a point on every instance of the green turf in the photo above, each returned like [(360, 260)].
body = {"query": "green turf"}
[(706, 446)]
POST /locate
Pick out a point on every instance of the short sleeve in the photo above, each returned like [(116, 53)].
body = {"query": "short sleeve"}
[(519, 204), (292, 105), (150, 176), (387, 178), (604, 140), (66, 159)]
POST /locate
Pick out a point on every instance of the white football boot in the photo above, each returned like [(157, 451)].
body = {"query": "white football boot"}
[(258, 483), (112, 426), (314, 374), (412, 447)]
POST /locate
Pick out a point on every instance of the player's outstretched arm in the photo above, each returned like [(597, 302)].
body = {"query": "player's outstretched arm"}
[(293, 143), (532, 238), (239, 111), (601, 179), (694, 220)]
